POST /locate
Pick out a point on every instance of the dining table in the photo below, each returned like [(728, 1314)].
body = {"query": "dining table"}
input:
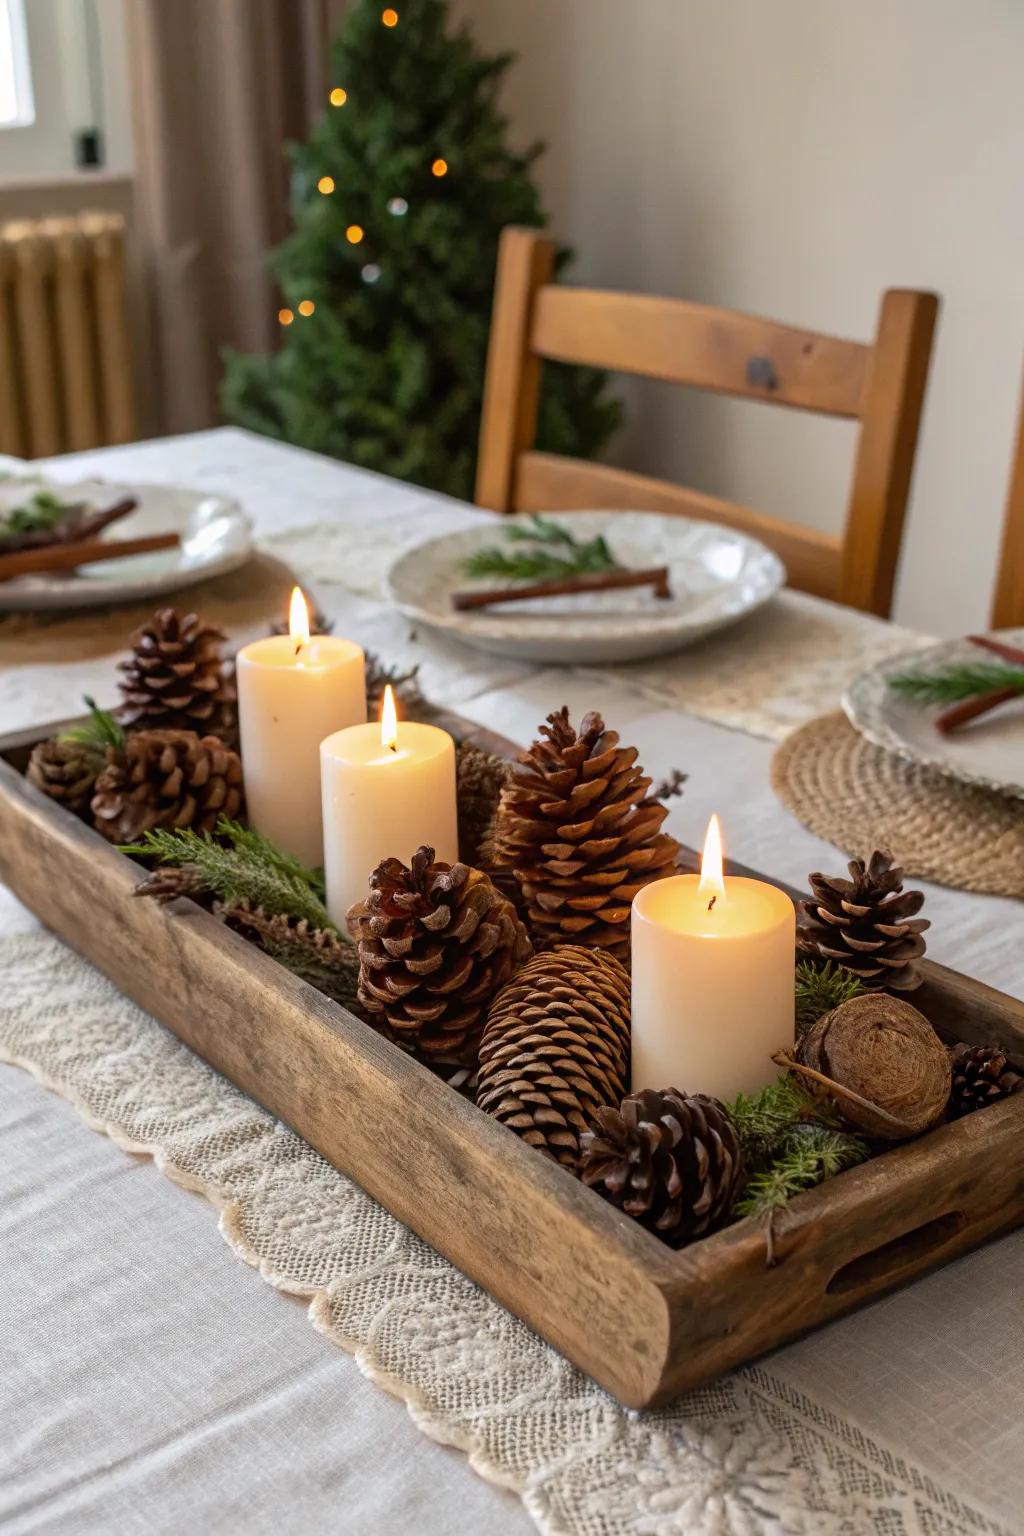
[(205, 1328)]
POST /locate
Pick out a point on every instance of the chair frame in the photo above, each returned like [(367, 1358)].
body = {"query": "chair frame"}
[(881, 385), (1008, 602)]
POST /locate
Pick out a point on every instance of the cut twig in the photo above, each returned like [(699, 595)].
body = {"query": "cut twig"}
[(603, 581), (68, 556), (782, 1059)]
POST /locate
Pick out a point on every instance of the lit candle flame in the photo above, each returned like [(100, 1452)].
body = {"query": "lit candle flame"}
[(712, 882), (389, 720), (298, 620)]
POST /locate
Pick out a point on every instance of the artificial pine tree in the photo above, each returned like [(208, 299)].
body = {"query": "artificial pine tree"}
[(399, 198)]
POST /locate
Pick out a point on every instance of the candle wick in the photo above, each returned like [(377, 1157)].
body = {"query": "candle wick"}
[(298, 646), (712, 902), (393, 746)]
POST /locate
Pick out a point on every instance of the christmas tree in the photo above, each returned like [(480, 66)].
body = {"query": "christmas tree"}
[(399, 198)]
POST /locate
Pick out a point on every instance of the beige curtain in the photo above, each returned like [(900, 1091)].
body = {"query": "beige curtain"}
[(218, 86)]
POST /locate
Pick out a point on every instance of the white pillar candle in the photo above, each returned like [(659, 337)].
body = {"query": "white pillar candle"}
[(292, 692), (713, 978), (388, 788)]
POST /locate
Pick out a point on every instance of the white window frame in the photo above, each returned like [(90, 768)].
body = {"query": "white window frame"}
[(14, 58)]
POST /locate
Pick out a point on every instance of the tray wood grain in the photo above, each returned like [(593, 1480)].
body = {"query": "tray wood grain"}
[(642, 1320)]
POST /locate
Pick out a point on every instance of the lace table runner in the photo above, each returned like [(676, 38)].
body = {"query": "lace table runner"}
[(747, 1456)]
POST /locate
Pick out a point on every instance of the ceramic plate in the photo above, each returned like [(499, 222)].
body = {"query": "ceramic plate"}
[(716, 575), (988, 752), (215, 538)]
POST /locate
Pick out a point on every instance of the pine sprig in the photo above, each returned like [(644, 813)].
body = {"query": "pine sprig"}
[(41, 513), (819, 989), (320, 956), (536, 559), (806, 1154), (100, 731), (762, 1118), (243, 869), (955, 683)]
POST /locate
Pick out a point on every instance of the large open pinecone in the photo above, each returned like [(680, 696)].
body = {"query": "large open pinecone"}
[(671, 1160), (981, 1075), (66, 771), (867, 924), (176, 678), (436, 941), (581, 835), (166, 779), (556, 1047)]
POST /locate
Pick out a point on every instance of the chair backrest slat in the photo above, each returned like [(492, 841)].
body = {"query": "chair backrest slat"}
[(1008, 603), (880, 385)]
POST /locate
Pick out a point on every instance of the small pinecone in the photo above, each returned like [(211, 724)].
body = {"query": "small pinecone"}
[(436, 941), (672, 1161), (66, 771), (981, 1075), (556, 1048), (867, 924), (578, 830), (176, 679), (480, 778), (171, 881), (166, 779)]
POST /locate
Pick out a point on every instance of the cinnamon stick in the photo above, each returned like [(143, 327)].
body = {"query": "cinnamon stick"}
[(969, 709), (78, 524), (999, 648), (67, 557), (603, 581)]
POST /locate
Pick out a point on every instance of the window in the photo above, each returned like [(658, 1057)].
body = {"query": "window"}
[(16, 105)]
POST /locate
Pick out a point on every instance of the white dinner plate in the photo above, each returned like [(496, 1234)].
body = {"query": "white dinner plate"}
[(716, 575), (215, 538), (988, 752)]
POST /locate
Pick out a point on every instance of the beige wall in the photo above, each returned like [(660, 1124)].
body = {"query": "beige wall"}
[(794, 158)]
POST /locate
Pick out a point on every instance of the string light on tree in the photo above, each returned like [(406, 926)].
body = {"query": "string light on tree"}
[(370, 273), (439, 167), (285, 316), (389, 17), (339, 96), (306, 307), (398, 207), (354, 234), (325, 185)]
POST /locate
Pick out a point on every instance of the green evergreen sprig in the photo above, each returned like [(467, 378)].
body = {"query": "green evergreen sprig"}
[(964, 681), (546, 552), (41, 513), (240, 867), (805, 1154), (100, 731), (819, 989)]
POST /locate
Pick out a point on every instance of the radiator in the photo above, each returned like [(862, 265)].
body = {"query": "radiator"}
[(65, 367)]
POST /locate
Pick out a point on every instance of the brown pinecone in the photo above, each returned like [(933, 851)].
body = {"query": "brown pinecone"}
[(166, 779), (981, 1075), (66, 771), (556, 1047), (436, 941), (480, 778), (867, 924), (580, 834), (672, 1161), (176, 679)]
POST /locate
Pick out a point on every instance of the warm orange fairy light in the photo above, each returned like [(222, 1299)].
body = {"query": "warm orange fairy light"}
[(389, 720), (389, 17), (298, 619), (325, 185), (712, 881), (440, 167), (354, 234), (339, 96), (306, 307), (285, 316)]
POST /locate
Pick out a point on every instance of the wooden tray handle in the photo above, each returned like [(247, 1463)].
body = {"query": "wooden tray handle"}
[(884, 1266)]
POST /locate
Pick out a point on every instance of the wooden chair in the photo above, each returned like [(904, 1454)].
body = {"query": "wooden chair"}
[(880, 385), (1008, 604)]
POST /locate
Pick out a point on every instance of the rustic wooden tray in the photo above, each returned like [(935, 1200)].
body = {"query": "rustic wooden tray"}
[(644, 1321)]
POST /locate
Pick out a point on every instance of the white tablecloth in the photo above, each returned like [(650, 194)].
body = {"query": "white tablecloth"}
[(210, 1404)]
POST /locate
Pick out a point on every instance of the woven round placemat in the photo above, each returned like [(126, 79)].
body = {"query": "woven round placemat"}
[(860, 797)]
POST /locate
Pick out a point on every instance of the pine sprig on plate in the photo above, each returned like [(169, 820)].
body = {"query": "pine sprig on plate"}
[(41, 513), (545, 552), (955, 683)]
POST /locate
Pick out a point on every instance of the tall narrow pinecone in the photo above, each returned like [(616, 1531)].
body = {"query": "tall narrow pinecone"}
[(556, 1047), (176, 678), (580, 834), (436, 941), (166, 779), (480, 778), (867, 924), (66, 771), (982, 1074), (671, 1160)]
